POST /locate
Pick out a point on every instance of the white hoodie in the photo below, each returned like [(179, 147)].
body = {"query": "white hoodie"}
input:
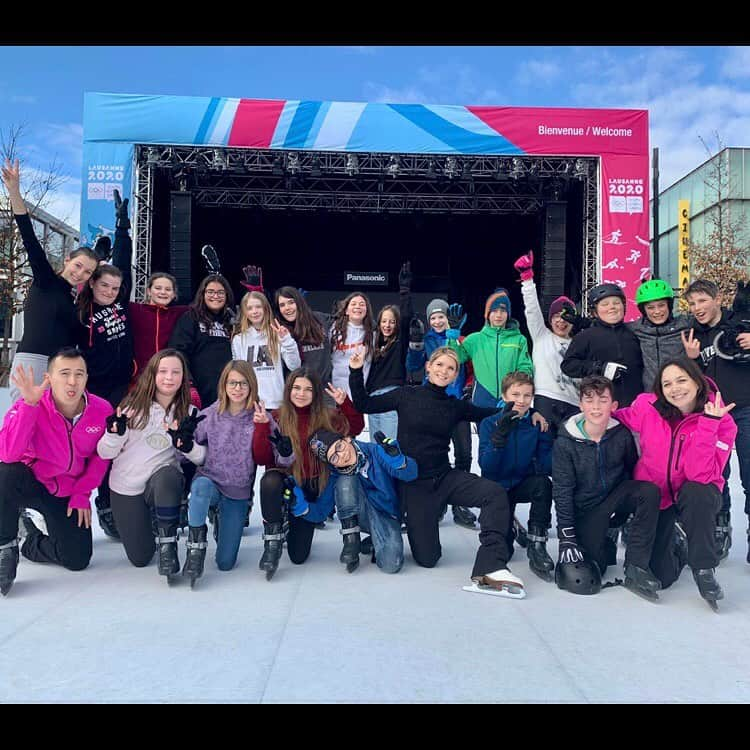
[(138, 454), (252, 346), (549, 351)]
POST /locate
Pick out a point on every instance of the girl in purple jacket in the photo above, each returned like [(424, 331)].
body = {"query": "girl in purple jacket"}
[(686, 438), (235, 435)]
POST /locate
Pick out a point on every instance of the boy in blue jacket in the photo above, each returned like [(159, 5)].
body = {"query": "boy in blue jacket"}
[(518, 455), (363, 480)]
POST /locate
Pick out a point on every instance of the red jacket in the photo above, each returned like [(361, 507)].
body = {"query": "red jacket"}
[(61, 456), (152, 325), (695, 450)]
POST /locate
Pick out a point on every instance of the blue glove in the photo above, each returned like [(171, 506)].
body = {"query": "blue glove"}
[(456, 316), (295, 498)]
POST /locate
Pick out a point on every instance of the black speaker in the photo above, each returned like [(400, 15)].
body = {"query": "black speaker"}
[(180, 225), (553, 253)]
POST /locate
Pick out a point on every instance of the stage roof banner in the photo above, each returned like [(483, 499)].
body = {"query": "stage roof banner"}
[(113, 123)]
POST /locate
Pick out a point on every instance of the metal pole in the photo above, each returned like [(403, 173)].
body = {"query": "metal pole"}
[(655, 211)]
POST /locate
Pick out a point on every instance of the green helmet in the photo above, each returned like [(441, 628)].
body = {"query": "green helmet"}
[(649, 291)]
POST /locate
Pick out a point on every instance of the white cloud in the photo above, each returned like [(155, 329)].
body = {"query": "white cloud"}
[(66, 138), (736, 63), (538, 72)]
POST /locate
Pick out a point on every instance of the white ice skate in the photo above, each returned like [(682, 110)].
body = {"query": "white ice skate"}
[(498, 583)]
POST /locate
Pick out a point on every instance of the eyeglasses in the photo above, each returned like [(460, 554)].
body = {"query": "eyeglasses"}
[(211, 293), (338, 448), (238, 384)]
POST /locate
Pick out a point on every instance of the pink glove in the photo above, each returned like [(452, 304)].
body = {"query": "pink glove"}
[(524, 266)]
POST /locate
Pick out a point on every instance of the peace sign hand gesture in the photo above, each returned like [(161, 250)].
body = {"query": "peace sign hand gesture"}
[(692, 345), (337, 394), (260, 416), (281, 332), (357, 360), (117, 423), (717, 408), (24, 381)]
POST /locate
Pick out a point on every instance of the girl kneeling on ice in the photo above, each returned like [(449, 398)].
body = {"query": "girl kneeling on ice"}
[(146, 477), (302, 483), (427, 417), (224, 480)]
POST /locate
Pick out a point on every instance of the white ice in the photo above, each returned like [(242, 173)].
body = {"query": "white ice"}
[(115, 633)]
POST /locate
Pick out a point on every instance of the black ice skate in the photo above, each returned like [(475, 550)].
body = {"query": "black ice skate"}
[(539, 560), (273, 540), (107, 523), (519, 533), (8, 565), (464, 517), (708, 587), (196, 553), (723, 534), (169, 563), (642, 581), (350, 554)]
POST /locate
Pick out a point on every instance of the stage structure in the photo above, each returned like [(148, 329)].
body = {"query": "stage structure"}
[(572, 183)]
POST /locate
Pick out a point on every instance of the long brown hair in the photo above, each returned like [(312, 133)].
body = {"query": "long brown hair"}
[(691, 369), (198, 306), (85, 298), (246, 370), (243, 323), (383, 344), (321, 418), (341, 320), (307, 329), (144, 393)]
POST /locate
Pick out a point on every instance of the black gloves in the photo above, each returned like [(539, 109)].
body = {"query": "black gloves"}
[(405, 277), (569, 550), (507, 424), (570, 315), (185, 433), (253, 277), (283, 444), (416, 334), (103, 248), (119, 423), (390, 446), (121, 211), (456, 316)]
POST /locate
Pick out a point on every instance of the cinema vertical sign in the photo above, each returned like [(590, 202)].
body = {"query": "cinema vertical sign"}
[(683, 240)]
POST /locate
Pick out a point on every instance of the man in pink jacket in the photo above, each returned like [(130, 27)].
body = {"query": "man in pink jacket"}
[(49, 463)]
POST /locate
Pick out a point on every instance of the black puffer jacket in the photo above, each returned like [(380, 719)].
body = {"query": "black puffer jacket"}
[(591, 349), (584, 472), (659, 344)]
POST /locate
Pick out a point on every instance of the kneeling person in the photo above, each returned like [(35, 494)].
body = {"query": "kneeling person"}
[(49, 463), (515, 453), (592, 465)]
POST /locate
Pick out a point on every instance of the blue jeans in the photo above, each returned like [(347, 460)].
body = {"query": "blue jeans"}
[(203, 494), (742, 445), (387, 422), (351, 500)]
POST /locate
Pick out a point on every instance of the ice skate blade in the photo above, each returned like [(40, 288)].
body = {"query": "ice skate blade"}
[(649, 597), (509, 592), (172, 580), (269, 574), (5, 590), (714, 606), (193, 581), (545, 575), (352, 566)]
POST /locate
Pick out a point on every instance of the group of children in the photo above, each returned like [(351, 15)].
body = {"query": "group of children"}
[(165, 409)]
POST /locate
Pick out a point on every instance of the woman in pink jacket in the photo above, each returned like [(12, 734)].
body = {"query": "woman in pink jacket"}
[(686, 438)]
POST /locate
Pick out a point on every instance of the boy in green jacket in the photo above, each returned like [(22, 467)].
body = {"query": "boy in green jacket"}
[(496, 350)]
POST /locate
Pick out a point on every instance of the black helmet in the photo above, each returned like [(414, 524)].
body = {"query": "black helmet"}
[(598, 293), (579, 578), (726, 346)]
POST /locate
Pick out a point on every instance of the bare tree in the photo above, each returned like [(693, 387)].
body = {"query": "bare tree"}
[(15, 275), (722, 256)]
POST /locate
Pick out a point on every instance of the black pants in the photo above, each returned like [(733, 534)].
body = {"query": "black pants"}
[(632, 496), (537, 490), (133, 513), (300, 536), (67, 544), (423, 499), (554, 411), (696, 509)]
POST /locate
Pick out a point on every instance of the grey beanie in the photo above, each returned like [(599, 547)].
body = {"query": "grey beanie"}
[(437, 305)]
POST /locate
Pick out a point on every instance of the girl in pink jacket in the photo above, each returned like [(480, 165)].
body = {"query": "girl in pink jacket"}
[(686, 439)]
